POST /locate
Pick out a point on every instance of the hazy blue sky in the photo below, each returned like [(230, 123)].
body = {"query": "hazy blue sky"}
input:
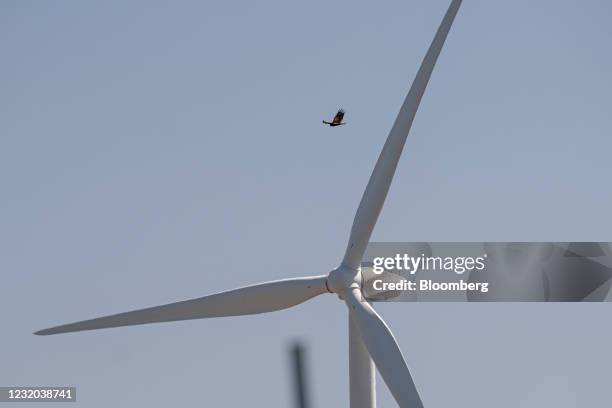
[(157, 151)]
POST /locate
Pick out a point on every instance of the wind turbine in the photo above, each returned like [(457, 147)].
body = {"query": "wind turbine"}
[(369, 336)]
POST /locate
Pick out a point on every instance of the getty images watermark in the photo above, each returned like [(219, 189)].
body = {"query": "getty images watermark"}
[(488, 271), (404, 263)]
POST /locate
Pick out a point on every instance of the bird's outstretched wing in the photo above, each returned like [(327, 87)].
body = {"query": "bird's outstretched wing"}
[(338, 118)]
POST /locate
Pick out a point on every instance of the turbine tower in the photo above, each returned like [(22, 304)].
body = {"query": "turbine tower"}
[(298, 368), (370, 339)]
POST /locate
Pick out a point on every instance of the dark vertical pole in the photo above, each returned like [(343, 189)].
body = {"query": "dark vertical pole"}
[(299, 377)]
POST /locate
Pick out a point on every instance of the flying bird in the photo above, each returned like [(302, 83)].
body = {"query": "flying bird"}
[(337, 121)]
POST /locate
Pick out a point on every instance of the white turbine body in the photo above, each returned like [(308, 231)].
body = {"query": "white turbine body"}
[(369, 336)]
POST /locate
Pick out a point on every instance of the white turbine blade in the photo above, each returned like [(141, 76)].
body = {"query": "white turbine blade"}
[(376, 191), (384, 350), (261, 298), (362, 377)]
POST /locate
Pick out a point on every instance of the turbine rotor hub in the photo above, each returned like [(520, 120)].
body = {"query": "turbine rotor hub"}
[(343, 278)]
